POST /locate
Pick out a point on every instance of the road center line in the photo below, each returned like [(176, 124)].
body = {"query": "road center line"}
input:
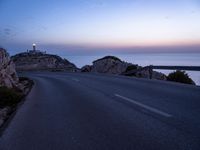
[(154, 110)]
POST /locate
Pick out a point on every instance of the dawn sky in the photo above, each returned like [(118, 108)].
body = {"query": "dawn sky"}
[(95, 25)]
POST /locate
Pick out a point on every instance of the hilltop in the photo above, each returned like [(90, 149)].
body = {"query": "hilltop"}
[(37, 60)]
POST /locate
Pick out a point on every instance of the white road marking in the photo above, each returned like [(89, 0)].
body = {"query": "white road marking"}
[(144, 106), (74, 79)]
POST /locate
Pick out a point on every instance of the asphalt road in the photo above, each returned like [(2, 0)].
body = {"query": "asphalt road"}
[(81, 111)]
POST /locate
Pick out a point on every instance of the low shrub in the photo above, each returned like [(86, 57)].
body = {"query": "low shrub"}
[(180, 76), (9, 97), (131, 67)]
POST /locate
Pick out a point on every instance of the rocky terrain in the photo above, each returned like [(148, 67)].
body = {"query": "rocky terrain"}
[(8, 75), (34, 61), (12, 88), (113, 65), (149, 73), (108, 64)]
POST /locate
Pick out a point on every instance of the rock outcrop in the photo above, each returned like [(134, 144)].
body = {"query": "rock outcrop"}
[(113, 65), (145, 73), (4, 113), (108, 64), (8, 75), (12, 88), (35, 61)]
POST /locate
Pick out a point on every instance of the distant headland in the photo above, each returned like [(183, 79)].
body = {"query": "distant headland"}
[(37, 60)]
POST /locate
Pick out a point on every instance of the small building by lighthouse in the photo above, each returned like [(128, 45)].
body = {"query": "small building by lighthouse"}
[(34, 47), (35, 51)]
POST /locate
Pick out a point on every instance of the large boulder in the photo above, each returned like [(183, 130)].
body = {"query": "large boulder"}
[(146, 73), (8, 75), (35, 61), (109, 64)]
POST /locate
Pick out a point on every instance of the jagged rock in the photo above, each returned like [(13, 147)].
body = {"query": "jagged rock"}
[(86, 68), (158, 76), (109, 64), (4, 113), (33, 61), (8, 76), (146, 73)]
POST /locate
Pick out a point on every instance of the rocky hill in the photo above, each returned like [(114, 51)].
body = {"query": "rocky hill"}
[(113, 65), (108, 64), (8, 76), (35, 61)]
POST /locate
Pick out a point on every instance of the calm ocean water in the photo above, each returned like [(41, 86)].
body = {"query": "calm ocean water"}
[(144, 59)]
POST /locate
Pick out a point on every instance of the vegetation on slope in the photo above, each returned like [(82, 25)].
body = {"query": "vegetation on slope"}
[(9, 97), (131, 67), (180, 76)]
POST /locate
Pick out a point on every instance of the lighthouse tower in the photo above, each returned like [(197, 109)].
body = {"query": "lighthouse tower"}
[(34, 47)]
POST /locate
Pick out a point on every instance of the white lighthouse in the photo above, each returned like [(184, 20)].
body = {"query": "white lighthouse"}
[(35, 51), (34, 47)]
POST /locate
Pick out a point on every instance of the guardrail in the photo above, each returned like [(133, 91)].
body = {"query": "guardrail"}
[(189, 68), (151, 67)]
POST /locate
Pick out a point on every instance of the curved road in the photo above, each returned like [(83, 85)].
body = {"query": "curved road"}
[(82, 111)]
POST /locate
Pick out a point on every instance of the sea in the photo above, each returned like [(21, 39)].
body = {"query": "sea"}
[(145, 59)]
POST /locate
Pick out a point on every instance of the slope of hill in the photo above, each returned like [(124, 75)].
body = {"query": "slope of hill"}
[(35, 61)]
